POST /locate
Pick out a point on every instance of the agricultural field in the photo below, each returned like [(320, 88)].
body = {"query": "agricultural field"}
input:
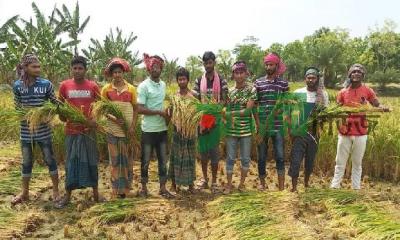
[(314, 213)]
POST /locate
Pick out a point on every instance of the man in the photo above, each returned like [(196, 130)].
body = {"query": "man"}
[(210, 87), (31, 91), (150, 100), (305, 138), (239, 127), (269, 88), (182, 164), (353, 134), (81, 151)]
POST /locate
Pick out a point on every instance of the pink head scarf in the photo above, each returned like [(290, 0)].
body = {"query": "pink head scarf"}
[(281, 67)]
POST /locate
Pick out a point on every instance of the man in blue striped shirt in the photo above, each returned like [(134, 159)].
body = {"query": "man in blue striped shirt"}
[(31, 91), (269, 88)]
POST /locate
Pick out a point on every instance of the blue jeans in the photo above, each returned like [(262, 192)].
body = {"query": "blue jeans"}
[(262, 149), (303, 147), (231, 152), (47, 152), (157, 141)]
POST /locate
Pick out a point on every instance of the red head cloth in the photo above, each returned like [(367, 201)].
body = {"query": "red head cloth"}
[(239, 66), (149, 61), (271, 57), (117, 61)]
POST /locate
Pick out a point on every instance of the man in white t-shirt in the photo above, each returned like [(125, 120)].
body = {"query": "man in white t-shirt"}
[(305, 138)]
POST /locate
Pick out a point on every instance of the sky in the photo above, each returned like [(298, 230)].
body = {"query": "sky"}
[(180, 28)]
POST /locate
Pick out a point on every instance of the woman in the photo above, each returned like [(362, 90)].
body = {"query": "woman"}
[(182, 165), (123, 94), (239, 123)]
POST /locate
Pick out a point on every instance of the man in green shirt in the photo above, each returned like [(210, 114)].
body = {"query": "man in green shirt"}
[(239, 123)]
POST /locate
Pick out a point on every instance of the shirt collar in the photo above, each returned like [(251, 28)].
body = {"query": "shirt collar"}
[(155, 83), (125, 87)]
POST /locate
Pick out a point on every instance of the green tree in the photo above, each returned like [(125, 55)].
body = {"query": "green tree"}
[(384, 48), (41, 37), (170, 68), (194, 65), (296, 59), (250, 52), (224, 63), (114, 45), (276, 48), (326, 51), (71, 23)]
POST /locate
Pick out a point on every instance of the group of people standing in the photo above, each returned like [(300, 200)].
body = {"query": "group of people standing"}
[(246, 105)]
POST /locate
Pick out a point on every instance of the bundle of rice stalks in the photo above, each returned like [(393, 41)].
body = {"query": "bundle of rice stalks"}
[(210, 107), (71, 112), (185, 115), (112, 212), (338, 111), (49, 111), (37, 116), (106, 107)]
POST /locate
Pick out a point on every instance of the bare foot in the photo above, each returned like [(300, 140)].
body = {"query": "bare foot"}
[(203, 184), (164, 193), (62, 203), (144, 192), (228, 190), (241, 187), (56, 196), (19, 199), (262, 187)]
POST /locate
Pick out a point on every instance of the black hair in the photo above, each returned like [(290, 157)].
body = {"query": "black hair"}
[(114, 66), (240, 61), (208, 56), (182, 72), (159, 58), (79, 60)]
